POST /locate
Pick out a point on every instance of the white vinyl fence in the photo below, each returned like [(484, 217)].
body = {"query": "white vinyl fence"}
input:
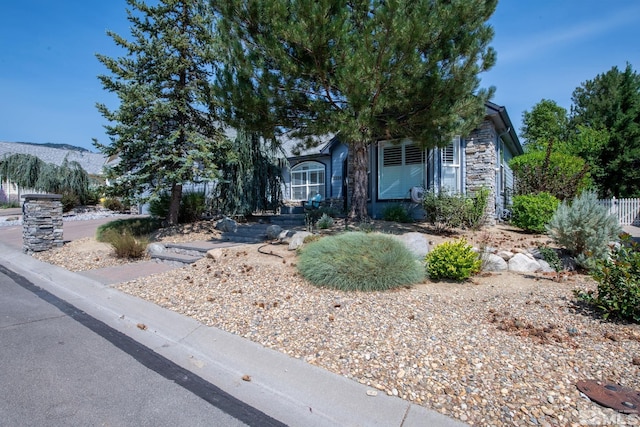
[(627, 210)]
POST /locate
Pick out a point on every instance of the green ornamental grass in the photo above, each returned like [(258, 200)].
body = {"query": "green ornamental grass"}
[(358, 261)]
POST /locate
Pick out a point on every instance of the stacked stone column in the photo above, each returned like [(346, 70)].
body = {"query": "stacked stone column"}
[(41, 222)]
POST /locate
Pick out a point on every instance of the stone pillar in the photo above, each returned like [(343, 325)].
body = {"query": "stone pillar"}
[(481, 164), (41, 222)]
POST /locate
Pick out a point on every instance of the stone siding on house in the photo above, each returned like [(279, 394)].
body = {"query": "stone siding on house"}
[(481, 162)]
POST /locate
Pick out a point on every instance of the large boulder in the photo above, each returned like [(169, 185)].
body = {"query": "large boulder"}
[(227, 225), (286, 235), (298, 240), (493, 262), (273, 231), (417, 243), (521, 263)]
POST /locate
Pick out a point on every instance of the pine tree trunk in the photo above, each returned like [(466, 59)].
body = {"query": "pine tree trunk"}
[(360, 181), (174, 206)]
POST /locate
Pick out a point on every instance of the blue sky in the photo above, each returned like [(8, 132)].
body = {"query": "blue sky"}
[(48, 69)]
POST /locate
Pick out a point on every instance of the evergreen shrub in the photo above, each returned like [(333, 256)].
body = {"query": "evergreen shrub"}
[(532, 212), (397, 213), (454, 260), (192, 206), (324, 222), (618, 277), (113, 204), (69, 201), (585, 228), (451, 210), (357, 261), (443, 210), (552, 258)]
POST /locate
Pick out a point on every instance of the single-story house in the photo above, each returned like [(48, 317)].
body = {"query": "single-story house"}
[(399, 170)]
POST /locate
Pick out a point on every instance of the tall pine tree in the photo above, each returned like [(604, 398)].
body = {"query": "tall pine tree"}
[(610, 104), (366, 69), (163, 131)]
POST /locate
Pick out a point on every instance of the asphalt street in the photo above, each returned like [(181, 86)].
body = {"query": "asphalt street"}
[(59, 366)]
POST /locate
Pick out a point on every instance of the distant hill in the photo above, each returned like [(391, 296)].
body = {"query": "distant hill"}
[(91, 162), (53, 145)]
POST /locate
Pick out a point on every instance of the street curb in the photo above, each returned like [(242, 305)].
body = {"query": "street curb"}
[(285, 388)]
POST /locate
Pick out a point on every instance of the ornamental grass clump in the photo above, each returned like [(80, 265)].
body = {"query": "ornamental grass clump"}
[(125, 245), (358, 261), (453, 260)]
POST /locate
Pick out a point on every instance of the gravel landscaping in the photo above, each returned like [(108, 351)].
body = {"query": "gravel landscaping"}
[(502, 349)]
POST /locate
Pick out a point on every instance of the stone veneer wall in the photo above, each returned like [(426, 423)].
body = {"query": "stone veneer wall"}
[(481, 162), (41, 222)]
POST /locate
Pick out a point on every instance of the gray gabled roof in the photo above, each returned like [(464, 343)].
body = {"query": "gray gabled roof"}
[(92, 163)]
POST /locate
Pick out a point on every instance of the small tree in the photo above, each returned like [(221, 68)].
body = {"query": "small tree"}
[(251, 177), (562, 175)]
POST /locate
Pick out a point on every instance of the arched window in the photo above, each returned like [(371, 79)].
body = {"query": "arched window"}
[(307, 180)]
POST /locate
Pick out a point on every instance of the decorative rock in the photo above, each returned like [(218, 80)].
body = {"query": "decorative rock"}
[(523, 264), (546, 268), (298, 239), (215, 254), (505, 255), (155, 248), (493, 262), (417, 243), (286, 235), (273, 231), (227, 225)]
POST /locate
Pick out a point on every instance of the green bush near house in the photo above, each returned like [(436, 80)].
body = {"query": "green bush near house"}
[(451, 210), (584, 228), (192, 206), (358, 261), (324, 222), (397, 213), (618, 277), (532, 212), (454, 260)]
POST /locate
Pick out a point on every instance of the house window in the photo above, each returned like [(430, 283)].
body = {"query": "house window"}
[(450, 156), (307, 180), (401, 166)]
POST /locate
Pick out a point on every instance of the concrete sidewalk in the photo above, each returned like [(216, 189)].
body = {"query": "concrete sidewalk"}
[(287, 389)]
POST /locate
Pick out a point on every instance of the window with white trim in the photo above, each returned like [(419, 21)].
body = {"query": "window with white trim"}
[(450, 167), (401, 166), (307, 180)]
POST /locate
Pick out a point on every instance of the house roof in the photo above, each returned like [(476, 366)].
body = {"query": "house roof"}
[(506, 132), (92, 163), (296, 148)]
